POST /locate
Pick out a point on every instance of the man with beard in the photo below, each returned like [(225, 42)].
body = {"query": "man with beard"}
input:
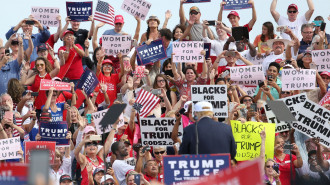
[(120, 167)]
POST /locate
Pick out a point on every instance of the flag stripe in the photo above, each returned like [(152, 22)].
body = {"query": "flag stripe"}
[(104, 12), (148, 102)]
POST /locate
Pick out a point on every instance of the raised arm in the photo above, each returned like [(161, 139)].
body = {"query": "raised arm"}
[(181, 13), (239, 56), (67, 20), (175, 130), (310, 10), (168, 15), (29, 50), (137, 29), (174, 71), (49, 98), (90, 33), (221, 10), (59, 28), (20, 55), (273, 11), (254, 15), (108, 142), (94, 39)]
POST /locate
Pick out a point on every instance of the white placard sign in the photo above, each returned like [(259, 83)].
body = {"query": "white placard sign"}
[(137, 8), (114, 44), (157, 131), (188, 51), (215, 94), (46, 15), (247, 75), (257, 60), (321, 59), (303, 79), (9, 148), (294, 103), (313, 121), (97, 117)]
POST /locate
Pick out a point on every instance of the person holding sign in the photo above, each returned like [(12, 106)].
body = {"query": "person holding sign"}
[(152, 30), (56, 109)]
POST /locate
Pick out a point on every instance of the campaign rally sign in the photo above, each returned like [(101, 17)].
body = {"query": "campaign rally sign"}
[(157, 131), (293, 79), (294, 103), (257, 60), (79, 11), (247, 75), (236, 4), (325, 99), (313, 121), (60, 86), (114, 44), (136, 8), (151, 53), (139, 71), (9, 148), (46, 15), (191, 167), (248, 140), (207, 49), (188, 51), (215, 94), (54, 131), (98, 116), (322, 59), (197, 1), (40, 145), (247, 173), (13, 173), (88, 81), (249, 90)]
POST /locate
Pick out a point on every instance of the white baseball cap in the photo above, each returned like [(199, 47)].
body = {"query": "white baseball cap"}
[(203, 106), (186, 105), (106, 177)]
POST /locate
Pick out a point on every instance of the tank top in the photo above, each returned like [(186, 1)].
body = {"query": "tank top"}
[(84, 173)]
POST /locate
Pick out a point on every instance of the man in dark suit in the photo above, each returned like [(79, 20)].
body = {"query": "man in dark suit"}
[(213, 137)]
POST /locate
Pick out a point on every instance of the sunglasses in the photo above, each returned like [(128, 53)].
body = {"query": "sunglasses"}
[(160, 80), (193, 13), (161, 152), (269, 166), (283, 92), (39, 65), (125, 122), (292, 11), (249, 100)]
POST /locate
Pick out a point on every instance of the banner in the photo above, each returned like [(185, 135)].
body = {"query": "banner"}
[(60, 86), (258, 60), (136, 8), (98, 116), (191, 167), (322, 59), (139, 71), (215, 94), (13, 173), (236, 5), (151, 53), (9, 148), (249, 90), (114, 44), (293, 79), (40, 145), (46, 15), (294, 103), (158, 131), (197, 1), (54, 131), (247, 75), (313, 121), (188, 51), (248, 141), (325, 99), (79, 11), (247, 173), (88, 81)]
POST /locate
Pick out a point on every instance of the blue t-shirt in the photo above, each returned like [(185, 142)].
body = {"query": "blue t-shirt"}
[(111, 32), (58, 115)]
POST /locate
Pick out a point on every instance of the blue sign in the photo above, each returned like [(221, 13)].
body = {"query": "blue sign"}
[(197, 1), (79, 11), (236, 4), (190, 167), (207, 48), (151, 53), (88, 81), (54, 131)]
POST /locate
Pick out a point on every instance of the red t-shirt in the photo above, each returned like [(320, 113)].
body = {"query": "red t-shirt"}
[(285, 169), (111, 82), (76, 69), (51, 41), (41, 98), (159, 178)]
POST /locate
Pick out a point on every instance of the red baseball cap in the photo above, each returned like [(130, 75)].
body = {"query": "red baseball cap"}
[(293, 6), (233, 13), (119, 19), (66, 32), (325, 73), (107, 61)]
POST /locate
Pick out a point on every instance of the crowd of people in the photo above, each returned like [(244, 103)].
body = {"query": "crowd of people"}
[(26, 59)]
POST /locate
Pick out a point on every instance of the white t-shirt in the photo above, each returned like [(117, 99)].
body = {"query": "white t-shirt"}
[(271, 58), (65, 169), (121, 168), (245, 54), (294, 26), (216, 45)]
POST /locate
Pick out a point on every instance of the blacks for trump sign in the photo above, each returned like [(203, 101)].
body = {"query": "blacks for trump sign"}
[(215, 94), (158, 131)]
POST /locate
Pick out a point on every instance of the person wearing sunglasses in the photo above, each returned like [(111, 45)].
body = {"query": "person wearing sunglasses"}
[(159, 152), (271, 176), (292, 21)]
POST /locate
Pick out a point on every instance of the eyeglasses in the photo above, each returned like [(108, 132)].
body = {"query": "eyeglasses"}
[(249, 100), (161, 152), (193, 13), (269, 166), (312, 157), (308, 32), (283, 92), (160, 80), (125, 122), (118, 23), (292, 11), (39, 65), (317, 43)]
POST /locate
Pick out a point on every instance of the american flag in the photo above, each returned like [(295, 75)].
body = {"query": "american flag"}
[(104, 13), (145, 103)]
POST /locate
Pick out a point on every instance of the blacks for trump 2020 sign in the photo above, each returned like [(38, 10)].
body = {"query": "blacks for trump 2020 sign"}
[(191, 167)]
